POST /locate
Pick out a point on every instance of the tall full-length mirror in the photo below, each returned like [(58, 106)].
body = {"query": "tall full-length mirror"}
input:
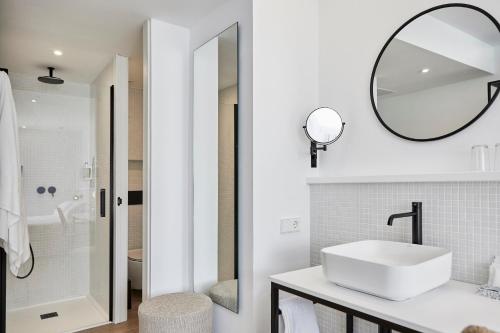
[(215, 169)]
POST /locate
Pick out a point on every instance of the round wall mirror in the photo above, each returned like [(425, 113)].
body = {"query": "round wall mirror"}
[(438, 73), (324, 126)]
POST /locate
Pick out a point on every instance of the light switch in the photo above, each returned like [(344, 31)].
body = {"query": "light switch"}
[(289, 225)]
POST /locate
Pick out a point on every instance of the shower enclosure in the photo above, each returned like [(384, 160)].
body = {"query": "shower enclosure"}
[(66, 136)]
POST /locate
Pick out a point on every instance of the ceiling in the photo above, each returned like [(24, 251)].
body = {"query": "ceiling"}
[(399, 70), (228, 58), (471, 22), (89, 32)]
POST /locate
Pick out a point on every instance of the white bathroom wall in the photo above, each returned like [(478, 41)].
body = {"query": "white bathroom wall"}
[(285, 92), (221, 18), (351, 36), (459, 216), (166, 176)]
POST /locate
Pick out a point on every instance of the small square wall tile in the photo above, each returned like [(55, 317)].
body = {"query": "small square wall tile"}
[(462, 217)]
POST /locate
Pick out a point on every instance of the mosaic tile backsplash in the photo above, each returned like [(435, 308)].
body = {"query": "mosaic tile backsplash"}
[(461, 216)]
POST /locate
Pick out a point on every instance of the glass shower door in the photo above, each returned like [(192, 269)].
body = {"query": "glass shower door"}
[(57, 147)]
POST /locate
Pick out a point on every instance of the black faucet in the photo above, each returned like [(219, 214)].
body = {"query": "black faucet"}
[(416, 221)]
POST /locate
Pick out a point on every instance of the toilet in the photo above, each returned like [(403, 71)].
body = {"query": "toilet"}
[(135, 268)]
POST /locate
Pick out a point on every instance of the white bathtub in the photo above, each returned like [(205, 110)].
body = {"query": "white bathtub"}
[(44, 219)]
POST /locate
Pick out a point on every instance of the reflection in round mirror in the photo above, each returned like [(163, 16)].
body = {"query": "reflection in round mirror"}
[(438, 73), (324, 126)]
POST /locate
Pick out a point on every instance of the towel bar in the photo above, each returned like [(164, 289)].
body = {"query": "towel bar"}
[(384, 325), (279, 311)]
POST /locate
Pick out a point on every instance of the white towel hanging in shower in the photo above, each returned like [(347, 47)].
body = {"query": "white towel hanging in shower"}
[(13, 227)]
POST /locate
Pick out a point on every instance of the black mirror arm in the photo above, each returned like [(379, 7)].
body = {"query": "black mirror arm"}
[(314, 147), (314, 153)]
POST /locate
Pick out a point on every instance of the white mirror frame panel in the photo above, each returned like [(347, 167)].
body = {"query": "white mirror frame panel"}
[(205, 165)]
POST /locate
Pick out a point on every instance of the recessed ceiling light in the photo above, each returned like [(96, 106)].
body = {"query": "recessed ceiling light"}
[(33, 101), (23, 127), (425, 70), (58, 53)]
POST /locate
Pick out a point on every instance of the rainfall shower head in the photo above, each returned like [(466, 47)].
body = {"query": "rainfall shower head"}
[(50, 79)]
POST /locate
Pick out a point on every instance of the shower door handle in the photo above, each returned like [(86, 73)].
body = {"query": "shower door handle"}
[(103, 202)]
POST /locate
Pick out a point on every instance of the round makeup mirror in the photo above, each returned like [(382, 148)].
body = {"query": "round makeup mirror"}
[(323, 127)]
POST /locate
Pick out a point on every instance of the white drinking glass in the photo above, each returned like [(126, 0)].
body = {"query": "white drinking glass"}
[(497, 157), (480, 158)]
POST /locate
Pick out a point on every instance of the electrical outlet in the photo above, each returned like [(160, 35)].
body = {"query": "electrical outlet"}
[(289, 225)]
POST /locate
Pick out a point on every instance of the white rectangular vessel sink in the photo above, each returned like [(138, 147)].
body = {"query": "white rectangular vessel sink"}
[(391, 270)]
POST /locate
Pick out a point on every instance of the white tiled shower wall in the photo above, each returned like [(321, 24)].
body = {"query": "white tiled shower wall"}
[(461, 216), (55, 141)]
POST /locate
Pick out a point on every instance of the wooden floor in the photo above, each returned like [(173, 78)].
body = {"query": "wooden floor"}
[(130, 326)]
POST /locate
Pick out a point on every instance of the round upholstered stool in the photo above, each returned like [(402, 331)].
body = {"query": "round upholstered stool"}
[(225, 293), (176, 313)]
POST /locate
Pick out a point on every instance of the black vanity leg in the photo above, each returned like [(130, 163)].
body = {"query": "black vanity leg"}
[(3, 291), (382, 329), (275, 292), (349, 323)]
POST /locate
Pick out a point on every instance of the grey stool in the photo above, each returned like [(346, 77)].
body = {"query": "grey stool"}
[(176, 313)]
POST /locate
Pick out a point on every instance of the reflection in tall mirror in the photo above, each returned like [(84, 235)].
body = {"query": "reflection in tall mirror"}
[(215, 165), (438, 73)]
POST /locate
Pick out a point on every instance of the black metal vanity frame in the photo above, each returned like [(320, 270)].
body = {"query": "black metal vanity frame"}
[(384, 325)]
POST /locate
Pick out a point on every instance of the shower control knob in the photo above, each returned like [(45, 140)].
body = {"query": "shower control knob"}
[(40, 190), (52, 190)]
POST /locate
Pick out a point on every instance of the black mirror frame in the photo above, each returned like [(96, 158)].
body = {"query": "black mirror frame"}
[(374, 106)]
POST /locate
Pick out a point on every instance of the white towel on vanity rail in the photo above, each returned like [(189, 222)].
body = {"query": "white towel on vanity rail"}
[(298, 315), (13, 227)]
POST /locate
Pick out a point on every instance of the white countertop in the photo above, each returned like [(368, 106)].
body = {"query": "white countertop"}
[(449, 308), (490, 176)]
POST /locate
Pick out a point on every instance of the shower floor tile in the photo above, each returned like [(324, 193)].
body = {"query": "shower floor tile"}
[(73, 315)]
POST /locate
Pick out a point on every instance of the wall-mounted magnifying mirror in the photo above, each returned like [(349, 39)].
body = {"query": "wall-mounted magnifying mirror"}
[(323, 127), (215, 169), (438, 73)]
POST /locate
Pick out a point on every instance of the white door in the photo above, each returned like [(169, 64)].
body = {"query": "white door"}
[(120, 188)]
